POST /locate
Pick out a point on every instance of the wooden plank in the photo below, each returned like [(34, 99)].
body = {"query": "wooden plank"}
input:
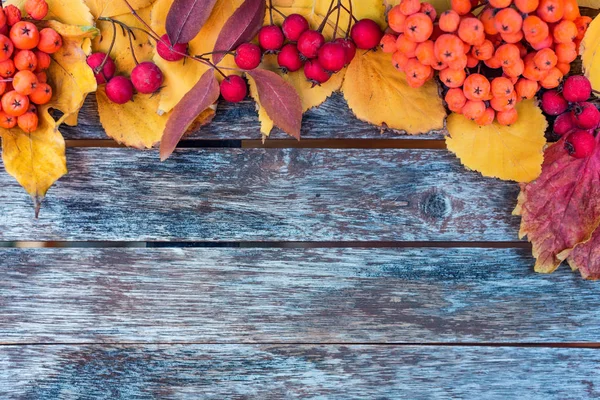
[(264, 195), (290, 295), (332, 120), (297, 371)]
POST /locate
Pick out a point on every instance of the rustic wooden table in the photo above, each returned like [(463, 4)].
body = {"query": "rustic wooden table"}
[(349, 265)]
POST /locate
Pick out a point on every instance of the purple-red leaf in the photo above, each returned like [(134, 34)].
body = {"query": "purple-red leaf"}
[(280, 100), (202, 95), (186, 18), (241, 27), (586, 257)]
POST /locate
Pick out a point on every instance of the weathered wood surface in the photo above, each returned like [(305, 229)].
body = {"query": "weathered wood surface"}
[(331, 120), (264, 195), (296, 371), (290, 296)]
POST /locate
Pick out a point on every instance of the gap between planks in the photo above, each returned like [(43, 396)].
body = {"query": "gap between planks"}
[(556, 345)]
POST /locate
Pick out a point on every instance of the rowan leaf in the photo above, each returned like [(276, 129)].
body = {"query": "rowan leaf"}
[(198, 99), (186, 18), (590, 53), (182, 75), (241, 27), (561, 209), (279, 100), (507, 152), (377, 93), (585, 257)]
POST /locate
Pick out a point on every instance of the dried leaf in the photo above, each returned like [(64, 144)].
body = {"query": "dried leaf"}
[(377, 93), (560, 209), (589, 3), (590, 53), (280, 101), (241, 27), (186, 18), (199, 98), (507, 152), (585, 257)]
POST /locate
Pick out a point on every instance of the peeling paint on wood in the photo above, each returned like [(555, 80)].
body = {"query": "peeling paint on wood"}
[(264, 195)]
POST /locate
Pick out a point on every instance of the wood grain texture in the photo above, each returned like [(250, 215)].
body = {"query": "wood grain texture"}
[(264, 195), (296, 371), (331, 120), (289, 296)]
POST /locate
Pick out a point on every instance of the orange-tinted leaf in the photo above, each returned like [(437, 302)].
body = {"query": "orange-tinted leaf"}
[(202, 95), (241, 27), (186, 18), (586, 257), (280, 101), (560, 209)]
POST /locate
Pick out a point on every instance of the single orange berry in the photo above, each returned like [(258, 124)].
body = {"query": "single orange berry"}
[(7, 121), (532, 72), (473, 109), (449, 21), (552, 79), (488, 20), (439, 65), (13, 14), (493, 63), (527, 6), (448, 48), (14, 103), (551, 10), (453, 78), (28, 122), (566, 52), (504, 103), (418, 27), (388, 43), (25, 60), (42, 94), (534, 29), (487, 118), (43, 60), (508, 54), (565, 68), (50, 41), (571, 10), (526, 89), (500, 3), (399, 60), (502, 87), (512, 37), (25, 82), (460, 63), (476, 87), (6, 48), (24, 35), (462, 7), (545, 59), (7, 69), (405, 45), (409, 7), (515, 70), (507, 117), (544, 44), (456, 100), (471, 31), (565, 31), (582, 24), (396, 19), (483, 52), (508, 20), (37, 9), (416, 72), (425, 53), (429, 10)]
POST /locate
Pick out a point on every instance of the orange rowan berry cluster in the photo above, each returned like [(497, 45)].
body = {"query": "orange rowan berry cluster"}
[(489, 62), (24, 57)]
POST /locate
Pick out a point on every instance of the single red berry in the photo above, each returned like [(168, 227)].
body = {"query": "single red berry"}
[(332, 56), (146, 77), (366, 34), (107, 72), (234, 89), (169, 52), (577, 88), (270, 38), (564, 124), (315, 73), (119, 90), (289, 58), (349, 48), (248, 56), (553, 103), (586, 115), (309, 43), (580, 144), (293, 26)]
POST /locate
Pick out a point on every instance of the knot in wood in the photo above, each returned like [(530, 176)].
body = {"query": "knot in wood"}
[(436, 205)]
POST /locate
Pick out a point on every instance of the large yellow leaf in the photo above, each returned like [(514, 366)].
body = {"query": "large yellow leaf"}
[(112, 8), (589, 3), (590, 53), (373, 9), (507, 152), (72, 12), (377, 93), (181, 76)]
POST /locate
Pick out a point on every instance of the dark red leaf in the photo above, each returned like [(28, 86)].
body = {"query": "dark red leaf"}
[(241, 27), (586, 257), (280, 100), (186, 18), (202, 95)]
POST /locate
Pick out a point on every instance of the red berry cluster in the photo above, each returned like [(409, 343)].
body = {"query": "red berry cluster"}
[(24, 58), (299, 47), (577, 115), (490, 62)]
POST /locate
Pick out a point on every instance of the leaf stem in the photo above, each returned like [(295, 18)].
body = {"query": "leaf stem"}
[(327, 15), (100, 68), (350, 18), (271, 11), (337, 19)]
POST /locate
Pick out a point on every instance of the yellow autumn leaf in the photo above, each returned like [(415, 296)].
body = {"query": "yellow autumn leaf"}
[(182, 75), (373, 9), (66, 11), (590, 53), (112, 8), (589, 3), (266, 123), (439, 5), (377, 93), (507, 152)]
